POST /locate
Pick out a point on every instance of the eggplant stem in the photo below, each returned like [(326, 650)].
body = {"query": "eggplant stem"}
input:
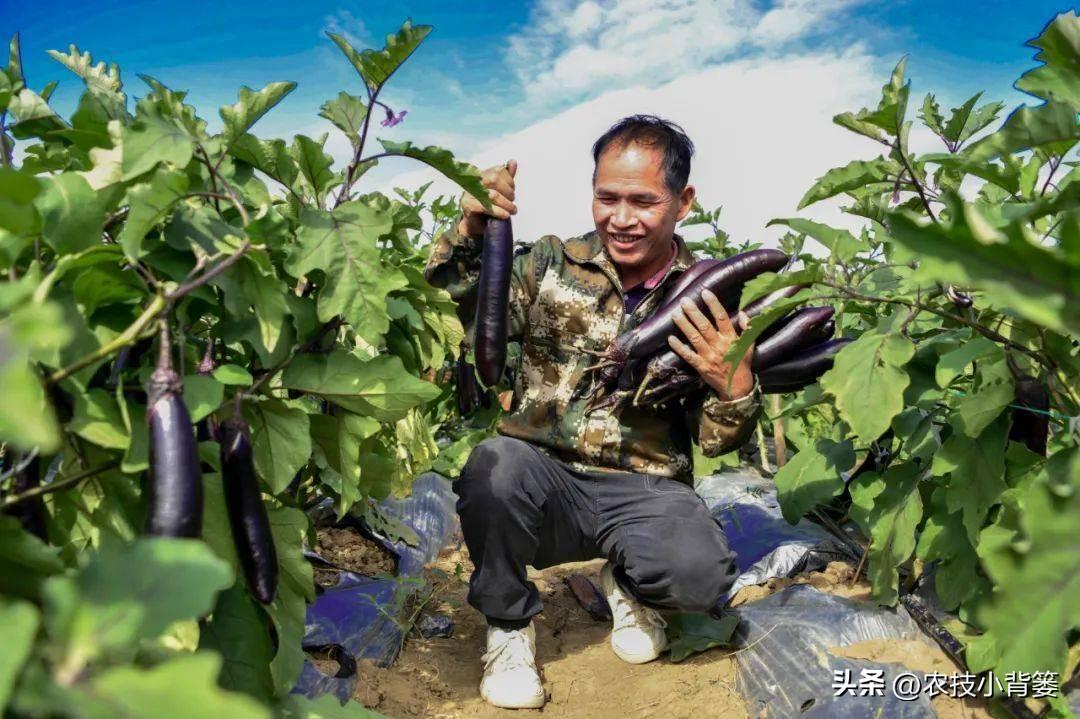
[(164, 349)]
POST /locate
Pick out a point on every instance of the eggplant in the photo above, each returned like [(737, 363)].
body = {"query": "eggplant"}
[(1031, 428), (801, 370), (808, 326), (175, 491), (493, 299), (725, 280), (687, 278), (250, 524), (30, 512), (468, 392)]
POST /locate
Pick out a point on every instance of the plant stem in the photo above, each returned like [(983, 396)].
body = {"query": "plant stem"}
[(210, 273), (332, 324), (778, 432), (915, 181), (125, 338), (56, 486)]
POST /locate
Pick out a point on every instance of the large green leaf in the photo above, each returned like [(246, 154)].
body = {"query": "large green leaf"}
[(851, 176), (812, 476), (17, 192), (965, 120), (992, 393), (1031, 281), (868, 381), (347, 113), (952, 364), (376, 66), (1059, 47), (26, 560), (149, 203), (338, 439), (841, 244), (181, 688), (893, 518), (98, 77), (26, 418), (126, 593), (379, 387), (342, 245), (151, 140), (97, 419), (20, 621), (976, 469), (1051, 125), (251, 106), (690, 634), (944, 540), (280, 441), (202, 395), (72, 214), (314, 164), (238, 632), (464, 174)]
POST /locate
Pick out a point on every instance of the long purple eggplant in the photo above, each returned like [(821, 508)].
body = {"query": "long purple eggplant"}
[(809, 326), (725, 280), (468, 392), (493, 298), (801, 370), (687, 278), (1031, 426), (250, 524), (174, 501)]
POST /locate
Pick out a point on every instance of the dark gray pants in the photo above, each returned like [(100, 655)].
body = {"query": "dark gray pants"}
[(519, 506)]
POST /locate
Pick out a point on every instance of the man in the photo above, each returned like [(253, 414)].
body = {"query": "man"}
[(565, 483)]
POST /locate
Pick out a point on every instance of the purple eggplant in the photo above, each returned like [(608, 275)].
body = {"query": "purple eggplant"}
[(493, 299), (809, 326), (725, 280), (470, 395), (801, 370), (174, 501), (687, 278), (1030, 426), (250, 524)]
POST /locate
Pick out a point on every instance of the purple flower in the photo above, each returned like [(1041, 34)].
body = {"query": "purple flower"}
[(391, 119)]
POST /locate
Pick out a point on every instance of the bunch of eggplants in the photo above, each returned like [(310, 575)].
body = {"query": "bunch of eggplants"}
[(790, 354)]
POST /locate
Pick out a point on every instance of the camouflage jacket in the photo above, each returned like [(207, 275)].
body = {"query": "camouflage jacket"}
[(566, 298)]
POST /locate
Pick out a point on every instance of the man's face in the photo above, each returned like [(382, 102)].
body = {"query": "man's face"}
[(634, 211)]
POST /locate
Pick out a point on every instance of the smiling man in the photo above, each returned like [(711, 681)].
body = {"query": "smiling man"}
[(563, 482)]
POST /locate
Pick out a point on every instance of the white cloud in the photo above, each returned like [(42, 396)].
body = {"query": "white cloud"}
[(763, 130), (352, 28), (580, 47)]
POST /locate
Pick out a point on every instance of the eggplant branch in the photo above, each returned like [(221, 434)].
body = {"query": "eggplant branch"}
[(62, 484)]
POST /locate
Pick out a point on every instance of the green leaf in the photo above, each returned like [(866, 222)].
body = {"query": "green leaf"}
[(976, 469), (376, 67), (342, 244), (868, 381), (1037, 579), (689, 634), (852, 176), (97, 419), (990, 396), (280, 441), (72, 215), (151, 140), (338, 438), (126, 593), (100, 77), (347, 113), (465, 175), (26, 419), (379, 387), (314, 165), (149, 203), (269, 156), (17, 192), (963, 123), (137, 456), (894, 517), (952, 364), (295, 589), (1009, 265), (841, 244), (1059, 46), (251, 106), (1051, 125), (944, 540), (813, 476), (202, 395), (181, 688), (26, 561), (20, 621), (238, 632), (931, 115), (233, 375)]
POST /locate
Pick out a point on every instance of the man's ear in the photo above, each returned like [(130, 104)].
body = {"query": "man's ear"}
[(686, 202)]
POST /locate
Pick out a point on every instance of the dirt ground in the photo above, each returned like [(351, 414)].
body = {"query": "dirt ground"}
[(439, 678), (349, 550)]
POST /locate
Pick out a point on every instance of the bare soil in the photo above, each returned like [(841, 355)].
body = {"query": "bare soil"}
[(439, 678)]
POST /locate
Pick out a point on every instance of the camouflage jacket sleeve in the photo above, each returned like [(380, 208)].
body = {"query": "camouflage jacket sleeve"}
[(723, 426), (454, 265)]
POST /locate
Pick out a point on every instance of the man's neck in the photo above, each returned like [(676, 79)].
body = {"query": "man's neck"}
[(654, 271)]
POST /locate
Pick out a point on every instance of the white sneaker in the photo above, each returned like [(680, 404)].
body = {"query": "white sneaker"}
[(511, 680), (637, 633)]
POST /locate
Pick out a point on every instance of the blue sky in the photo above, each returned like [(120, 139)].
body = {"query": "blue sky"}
[(498, 79)]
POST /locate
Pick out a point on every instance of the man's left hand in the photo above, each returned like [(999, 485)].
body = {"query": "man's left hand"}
[(709, 342)]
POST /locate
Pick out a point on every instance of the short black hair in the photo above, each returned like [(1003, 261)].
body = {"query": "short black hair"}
[(652, 131)]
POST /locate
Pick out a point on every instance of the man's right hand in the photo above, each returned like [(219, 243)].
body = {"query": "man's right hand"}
[(499, 181)]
